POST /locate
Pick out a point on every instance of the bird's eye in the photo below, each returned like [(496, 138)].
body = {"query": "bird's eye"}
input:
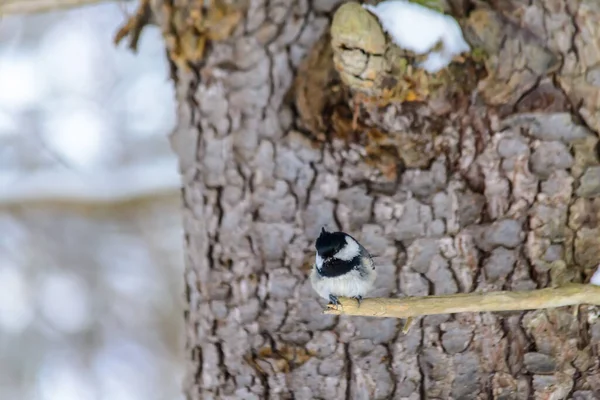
[(338, 248)]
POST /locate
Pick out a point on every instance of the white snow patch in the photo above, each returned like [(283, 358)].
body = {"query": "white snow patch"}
[(595, 280), (79, 133), (64, 301), (148, 104), (419, 29), (126, 370), (72, 60), (62, 377), (16, 308), (21, 86), (8, 124)]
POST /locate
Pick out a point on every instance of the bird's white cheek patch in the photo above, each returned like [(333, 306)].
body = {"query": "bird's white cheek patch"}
[(349, 251), (319, 262)]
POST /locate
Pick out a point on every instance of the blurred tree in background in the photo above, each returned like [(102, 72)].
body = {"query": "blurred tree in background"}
[(91, 243)]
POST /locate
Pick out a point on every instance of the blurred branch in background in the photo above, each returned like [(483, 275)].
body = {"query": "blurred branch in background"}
[(11, 7), (145, 181)]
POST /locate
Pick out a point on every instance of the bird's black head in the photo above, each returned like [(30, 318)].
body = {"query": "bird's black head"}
[(329, 243)]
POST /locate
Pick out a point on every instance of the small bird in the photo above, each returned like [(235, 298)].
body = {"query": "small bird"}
[(343, 267)]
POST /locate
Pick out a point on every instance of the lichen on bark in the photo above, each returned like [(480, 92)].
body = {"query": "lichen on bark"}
[(475, 189)]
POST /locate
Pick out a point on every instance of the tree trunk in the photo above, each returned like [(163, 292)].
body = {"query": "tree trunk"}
[(501, 195)]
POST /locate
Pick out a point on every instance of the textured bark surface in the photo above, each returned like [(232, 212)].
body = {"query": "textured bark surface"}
[(506, 200)]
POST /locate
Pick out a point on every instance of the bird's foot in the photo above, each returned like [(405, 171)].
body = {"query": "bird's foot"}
[(333, 302), (358, 299)]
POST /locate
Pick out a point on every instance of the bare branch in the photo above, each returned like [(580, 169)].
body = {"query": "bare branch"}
[(568, 295), (127, 183), (134, 25), (12, 7)]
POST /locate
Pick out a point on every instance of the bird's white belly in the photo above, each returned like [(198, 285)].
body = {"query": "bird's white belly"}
[(347, 285)]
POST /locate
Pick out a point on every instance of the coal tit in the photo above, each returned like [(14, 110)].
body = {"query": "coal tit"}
[(343, 267)]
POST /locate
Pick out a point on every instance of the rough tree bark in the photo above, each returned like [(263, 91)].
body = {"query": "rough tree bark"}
[(501, 196)]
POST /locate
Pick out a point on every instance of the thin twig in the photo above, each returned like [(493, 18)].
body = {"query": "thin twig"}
[(134, 25), (568, 295)]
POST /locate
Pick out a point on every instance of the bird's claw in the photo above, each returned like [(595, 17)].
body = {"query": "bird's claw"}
[(334, 303)]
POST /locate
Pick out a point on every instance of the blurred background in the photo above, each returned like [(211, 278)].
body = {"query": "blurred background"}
[(90, 230)]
